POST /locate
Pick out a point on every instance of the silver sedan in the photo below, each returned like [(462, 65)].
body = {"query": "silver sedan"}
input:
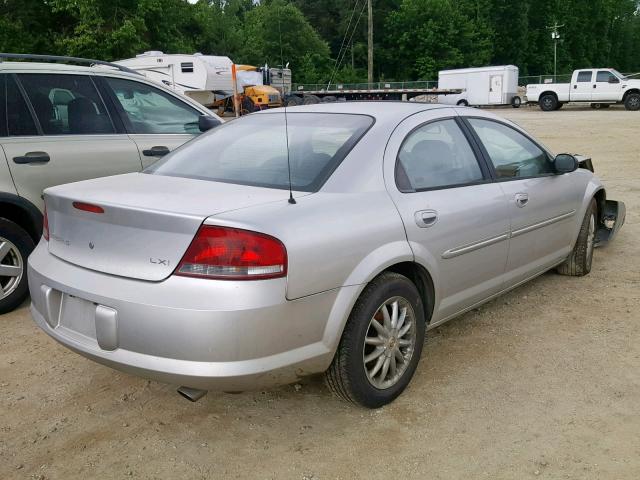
[(249, 258)]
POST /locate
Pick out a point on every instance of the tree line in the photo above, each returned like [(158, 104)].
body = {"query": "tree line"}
[(413, 39)]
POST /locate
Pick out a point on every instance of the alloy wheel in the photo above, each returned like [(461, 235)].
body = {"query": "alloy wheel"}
[(10, 268), (389, 343)]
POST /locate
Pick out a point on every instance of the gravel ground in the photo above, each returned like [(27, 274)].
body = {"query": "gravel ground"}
[(543, 382)]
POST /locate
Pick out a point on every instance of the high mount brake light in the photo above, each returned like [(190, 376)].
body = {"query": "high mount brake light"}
[(233, 254), (45, 225)]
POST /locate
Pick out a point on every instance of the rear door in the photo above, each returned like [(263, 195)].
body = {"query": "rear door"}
[(582, 89), (495, 90), (606, 87), (157, 121), (59, 131), (542, 205), (456, 219)]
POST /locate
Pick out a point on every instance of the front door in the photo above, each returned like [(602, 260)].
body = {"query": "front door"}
[(542, 205), (455, 218), (606, 87), (158, 122), (495, 90), (59, 131)]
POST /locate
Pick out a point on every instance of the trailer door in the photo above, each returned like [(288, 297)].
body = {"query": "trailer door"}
[(495, 89)]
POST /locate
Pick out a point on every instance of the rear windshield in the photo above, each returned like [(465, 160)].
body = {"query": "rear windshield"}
[(253, 150)]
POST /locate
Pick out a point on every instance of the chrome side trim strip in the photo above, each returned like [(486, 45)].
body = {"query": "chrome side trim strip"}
[(544, 223), (457, 251)]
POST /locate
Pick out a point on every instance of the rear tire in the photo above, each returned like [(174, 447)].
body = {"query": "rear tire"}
[(310, 100), (293, 101), (516, 102), (462, 103), (548, 102), (579, 262), (632, 102), (329, 99), (15, 247), (375, 363)]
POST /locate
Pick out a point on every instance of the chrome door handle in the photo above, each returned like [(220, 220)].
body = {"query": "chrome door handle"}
[(426, 218), (521, 199)]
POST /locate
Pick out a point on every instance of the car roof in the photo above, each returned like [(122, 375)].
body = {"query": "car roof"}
[(50, 67), (374, 108)]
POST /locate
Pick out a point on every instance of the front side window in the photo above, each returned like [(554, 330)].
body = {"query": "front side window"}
[(512, 154), (584, 76), (19, 119), (150, 110), (605, 76), (253, 150), (66, 104), (436, 155)]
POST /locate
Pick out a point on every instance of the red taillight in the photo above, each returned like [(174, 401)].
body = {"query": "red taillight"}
[(45, 225), (234, 254), (88, 207)]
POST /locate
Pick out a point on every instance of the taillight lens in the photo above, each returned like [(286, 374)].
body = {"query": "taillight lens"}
[(233, 254), (45, 225)]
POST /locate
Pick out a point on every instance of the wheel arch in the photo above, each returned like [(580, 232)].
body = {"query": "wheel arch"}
[(629, 92), (23, 213), (548, 92)]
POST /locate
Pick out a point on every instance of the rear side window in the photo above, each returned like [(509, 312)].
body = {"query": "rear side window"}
[(150, 110), (66, 104), (253, 150), (584, 76), (19, 119), (513, 155), (436, 155)]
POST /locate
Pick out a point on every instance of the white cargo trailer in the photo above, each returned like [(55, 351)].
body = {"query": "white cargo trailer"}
[(481, 86)]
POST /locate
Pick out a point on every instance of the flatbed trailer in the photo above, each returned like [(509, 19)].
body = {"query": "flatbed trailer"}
[(307, 97)]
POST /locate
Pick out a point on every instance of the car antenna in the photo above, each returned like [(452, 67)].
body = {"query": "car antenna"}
[(292, 200)]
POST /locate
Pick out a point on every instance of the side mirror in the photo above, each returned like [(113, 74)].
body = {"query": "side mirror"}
[(565, 163), (614, 80), (207, 122)]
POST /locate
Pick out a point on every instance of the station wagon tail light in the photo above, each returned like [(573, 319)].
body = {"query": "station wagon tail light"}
[(233, 254), (45, 225)]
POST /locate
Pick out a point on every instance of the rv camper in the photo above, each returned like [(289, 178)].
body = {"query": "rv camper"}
[(481, 86), (208, 79)]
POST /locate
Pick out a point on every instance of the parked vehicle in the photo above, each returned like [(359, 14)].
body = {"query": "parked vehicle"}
[(483, 86), (599, 87), (208, 79), (64, 123), (207, 271)]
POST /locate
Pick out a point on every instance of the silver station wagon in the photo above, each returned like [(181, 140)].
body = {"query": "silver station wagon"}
[(205, 271)]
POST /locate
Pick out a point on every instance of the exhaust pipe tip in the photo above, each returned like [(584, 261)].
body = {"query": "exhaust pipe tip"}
[(191, 394)]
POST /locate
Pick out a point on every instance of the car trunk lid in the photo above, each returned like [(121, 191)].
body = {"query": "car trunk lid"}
[(143, 224)]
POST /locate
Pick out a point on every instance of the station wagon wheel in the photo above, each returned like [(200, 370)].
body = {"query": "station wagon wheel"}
[(381, 344), (389, 342), (15, 247)]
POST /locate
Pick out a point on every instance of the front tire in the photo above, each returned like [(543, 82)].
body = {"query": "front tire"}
[(632, 102), (381, 344), (548, 103), (579, 262), (15, 247)]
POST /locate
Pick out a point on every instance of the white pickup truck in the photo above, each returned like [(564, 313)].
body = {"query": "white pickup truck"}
[(600, 87)]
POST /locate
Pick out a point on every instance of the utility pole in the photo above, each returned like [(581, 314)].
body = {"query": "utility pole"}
[(370, 43), (555, 36)]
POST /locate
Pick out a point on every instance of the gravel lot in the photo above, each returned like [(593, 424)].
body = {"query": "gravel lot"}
[(541, 383)]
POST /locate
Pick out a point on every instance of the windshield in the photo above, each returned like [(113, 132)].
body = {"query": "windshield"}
[(253, 150), (618, 74)]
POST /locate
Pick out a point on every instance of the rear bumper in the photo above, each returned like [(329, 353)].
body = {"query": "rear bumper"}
[(207, 334)]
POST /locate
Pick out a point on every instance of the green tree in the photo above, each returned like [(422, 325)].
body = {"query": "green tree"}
[(277, 31)]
